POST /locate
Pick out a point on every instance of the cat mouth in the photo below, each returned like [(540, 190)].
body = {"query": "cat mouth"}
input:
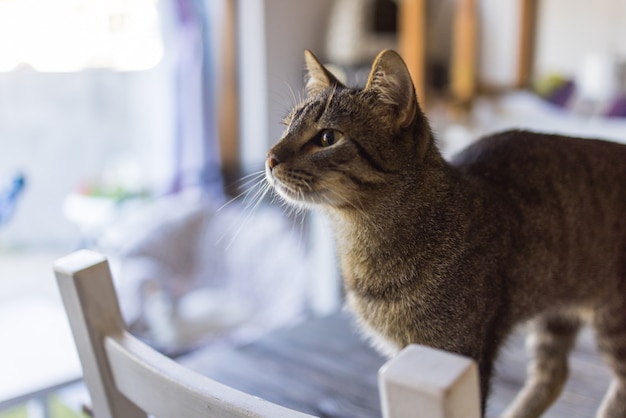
[(306, 196), (293, 195), (302, 189), (297, 194), (286, 192)]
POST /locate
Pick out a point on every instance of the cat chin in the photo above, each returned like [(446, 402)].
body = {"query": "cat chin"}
[(286, 195), (283, 191), (302, 201)]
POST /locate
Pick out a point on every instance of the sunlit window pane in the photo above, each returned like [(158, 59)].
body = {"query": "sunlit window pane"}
[(71, 35)]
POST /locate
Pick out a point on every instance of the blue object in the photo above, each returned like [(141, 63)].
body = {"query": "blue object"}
[(9, 197)]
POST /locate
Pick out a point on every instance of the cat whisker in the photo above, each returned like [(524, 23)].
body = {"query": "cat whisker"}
[(254, 174), (253, 182), (295, 99), (251, 208), (249, 179), (262, 187), (256, 188), (254, 179)]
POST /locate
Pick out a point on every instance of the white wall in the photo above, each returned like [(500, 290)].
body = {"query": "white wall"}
[(498, 42), (569, 30), (62, 129), (273, 35)]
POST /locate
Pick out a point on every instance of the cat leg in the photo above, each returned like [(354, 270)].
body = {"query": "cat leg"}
[(549, 343), (610, 326)]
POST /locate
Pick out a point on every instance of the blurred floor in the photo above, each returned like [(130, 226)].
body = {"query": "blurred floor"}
[(323, 367)]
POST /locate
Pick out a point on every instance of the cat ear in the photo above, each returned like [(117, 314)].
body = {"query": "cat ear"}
[(318, 77), (391, 80)]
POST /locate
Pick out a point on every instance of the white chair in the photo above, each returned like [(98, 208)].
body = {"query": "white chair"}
[(126, 378)]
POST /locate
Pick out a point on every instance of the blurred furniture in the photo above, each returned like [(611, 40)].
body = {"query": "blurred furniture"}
[(526, 42), (127, 378), (412, 45), (412, 40)]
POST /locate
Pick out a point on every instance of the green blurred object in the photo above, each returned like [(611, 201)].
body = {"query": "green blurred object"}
[(57, 407), (547, 85)]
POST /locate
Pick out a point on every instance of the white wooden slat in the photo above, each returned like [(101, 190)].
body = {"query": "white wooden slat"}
[(167, 389), (90, 301), (127, 379), (422, 381)]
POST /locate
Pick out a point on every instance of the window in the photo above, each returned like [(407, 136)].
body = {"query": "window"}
[(72, 35)]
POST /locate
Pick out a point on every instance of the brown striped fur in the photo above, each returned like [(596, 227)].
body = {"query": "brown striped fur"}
[(520, 226)]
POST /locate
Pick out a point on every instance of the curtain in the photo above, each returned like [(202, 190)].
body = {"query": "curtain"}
[(195, 153)]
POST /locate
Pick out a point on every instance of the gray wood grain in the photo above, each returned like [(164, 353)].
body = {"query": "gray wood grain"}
[(324, 367)]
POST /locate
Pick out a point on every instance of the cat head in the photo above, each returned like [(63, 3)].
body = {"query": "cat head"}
[(342, 143)]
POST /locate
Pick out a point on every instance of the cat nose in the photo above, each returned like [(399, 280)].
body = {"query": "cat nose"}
[(272, 161)]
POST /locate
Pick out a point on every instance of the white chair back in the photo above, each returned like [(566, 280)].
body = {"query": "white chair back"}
[(128, 379)]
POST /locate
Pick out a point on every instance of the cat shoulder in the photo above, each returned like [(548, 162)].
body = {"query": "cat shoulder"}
[(519, 147), (499, 144)]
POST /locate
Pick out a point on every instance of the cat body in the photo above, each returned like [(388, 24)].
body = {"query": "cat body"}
[(519, 226)]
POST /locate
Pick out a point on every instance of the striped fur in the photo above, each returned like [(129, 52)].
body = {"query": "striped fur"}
[(518, 227)]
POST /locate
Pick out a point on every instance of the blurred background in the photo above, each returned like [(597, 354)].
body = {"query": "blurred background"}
[(139, 128)]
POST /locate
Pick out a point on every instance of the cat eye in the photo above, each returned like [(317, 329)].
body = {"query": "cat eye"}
[(328, 137)]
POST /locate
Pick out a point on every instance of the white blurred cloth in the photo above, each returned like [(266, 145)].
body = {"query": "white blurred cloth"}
[(190, 271)]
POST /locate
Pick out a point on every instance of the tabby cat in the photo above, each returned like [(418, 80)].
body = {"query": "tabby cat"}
[(519, 226)]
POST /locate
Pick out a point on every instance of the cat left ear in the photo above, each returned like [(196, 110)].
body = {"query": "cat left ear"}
[(391, 80), (318, 77)]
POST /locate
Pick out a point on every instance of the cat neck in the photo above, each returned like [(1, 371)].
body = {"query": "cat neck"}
[(422, 217), (416, 194)]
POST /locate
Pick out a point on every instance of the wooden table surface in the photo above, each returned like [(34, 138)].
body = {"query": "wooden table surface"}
[(323, 367)]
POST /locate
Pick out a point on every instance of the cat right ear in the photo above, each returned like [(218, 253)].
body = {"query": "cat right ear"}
[(391, 80), (318, 77)]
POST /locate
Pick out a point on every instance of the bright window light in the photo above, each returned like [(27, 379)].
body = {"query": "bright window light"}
[(72, 35)]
